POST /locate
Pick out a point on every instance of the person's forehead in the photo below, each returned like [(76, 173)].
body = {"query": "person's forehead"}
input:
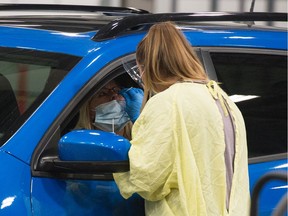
[(110, 85)]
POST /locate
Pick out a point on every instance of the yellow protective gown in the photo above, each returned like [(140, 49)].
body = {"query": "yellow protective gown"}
[(177, 159)]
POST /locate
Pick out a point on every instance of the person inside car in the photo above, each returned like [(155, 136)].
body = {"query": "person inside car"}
[(106, 110)]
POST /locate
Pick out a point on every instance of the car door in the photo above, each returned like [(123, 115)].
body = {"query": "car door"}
[(256, 80), (65, 191), (24, 75)]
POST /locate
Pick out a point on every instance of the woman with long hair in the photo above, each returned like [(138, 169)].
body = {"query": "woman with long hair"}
[(188, 152)]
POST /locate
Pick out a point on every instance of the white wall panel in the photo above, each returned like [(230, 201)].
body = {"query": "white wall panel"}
[(228, 5), (160, 6), (222, 5), (281, 6), (74, 2), (193, 5)]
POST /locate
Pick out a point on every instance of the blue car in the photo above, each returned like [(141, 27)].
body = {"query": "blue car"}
[(53, 58)]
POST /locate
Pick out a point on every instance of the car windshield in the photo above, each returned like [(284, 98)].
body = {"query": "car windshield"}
[(27, 77)]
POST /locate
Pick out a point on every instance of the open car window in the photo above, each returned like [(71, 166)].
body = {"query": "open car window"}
[(118, 76)]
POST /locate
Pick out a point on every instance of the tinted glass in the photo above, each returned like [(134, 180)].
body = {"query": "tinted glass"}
[(26, 78), (258, 85)]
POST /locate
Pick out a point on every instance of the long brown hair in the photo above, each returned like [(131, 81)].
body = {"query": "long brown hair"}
[(164, 55)]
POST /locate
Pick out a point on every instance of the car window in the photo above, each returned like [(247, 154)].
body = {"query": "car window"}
[(258, 85), (26, 78)]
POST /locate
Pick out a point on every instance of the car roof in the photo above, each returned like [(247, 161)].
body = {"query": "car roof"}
[(62, 25)]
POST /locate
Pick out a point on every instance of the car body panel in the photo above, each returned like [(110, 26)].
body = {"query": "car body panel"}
[(15, 186), (237, 38), (96, 59), (55, 41), (275, 190), (80, 197), (35, 195)]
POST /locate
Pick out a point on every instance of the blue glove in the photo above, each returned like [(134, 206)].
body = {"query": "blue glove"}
[(133, 98)]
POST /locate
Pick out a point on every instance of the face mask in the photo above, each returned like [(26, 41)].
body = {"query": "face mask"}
[(111, 116)]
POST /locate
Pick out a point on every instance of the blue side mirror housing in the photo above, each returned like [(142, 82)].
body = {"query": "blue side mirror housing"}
[(85, 152), (93, 145)]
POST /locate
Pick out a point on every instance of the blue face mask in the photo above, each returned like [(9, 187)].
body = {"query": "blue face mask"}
[(111, 116)]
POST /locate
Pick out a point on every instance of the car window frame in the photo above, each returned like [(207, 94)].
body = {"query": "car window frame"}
[(53, 134)]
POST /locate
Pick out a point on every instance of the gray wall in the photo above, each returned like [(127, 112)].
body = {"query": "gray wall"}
[(175, 5), (164, 6)]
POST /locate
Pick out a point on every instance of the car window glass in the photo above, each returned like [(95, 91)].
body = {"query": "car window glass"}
[(258, 85), (26, 79)]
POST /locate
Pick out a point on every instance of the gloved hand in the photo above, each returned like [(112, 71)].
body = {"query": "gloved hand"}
[(133, 98)]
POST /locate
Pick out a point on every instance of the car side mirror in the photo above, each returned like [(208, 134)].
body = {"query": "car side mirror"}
[(93, 145), (85, 152)]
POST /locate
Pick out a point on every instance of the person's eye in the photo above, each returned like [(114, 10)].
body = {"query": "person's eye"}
[(101, 94), (116, 90)]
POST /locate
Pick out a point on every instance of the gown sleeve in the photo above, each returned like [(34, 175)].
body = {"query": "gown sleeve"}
[(152, 173)]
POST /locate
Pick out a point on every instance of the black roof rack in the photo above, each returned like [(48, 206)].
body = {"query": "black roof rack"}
[(83, 8), (122, 25)]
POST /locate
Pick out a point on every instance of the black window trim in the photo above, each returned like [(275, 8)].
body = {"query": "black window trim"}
[(267, 158)]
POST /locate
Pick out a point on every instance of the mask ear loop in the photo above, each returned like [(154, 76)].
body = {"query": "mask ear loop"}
[(113, 125)]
